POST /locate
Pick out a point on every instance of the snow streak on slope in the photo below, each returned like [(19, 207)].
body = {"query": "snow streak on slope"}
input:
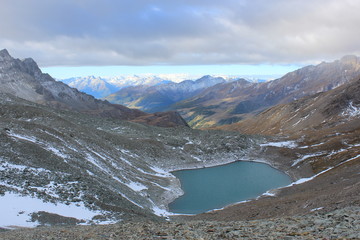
[(352, 111)]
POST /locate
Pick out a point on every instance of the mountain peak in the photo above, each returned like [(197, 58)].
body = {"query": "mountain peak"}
[(31, 66), (350, 59), (4, 55)]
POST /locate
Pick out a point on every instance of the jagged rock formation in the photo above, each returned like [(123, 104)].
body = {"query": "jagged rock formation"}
[(161, 97), (24, 79), (231, 102)]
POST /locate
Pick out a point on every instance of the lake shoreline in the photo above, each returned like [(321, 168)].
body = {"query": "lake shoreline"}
[(256, 154), (224, 185)]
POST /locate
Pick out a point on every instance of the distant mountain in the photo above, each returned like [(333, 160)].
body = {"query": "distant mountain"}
[(137, 80), (230, 102), (161, 97), (100, 87), (95, 86), (24, 79)]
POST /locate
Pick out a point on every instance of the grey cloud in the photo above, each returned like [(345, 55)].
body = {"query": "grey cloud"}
[(145, 32)]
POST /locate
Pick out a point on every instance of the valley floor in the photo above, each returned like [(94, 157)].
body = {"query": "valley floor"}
[(341, 223)]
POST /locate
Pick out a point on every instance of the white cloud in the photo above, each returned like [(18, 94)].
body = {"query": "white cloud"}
[(143, 32)]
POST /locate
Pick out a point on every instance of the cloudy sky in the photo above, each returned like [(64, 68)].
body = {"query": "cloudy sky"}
[(146, 33)]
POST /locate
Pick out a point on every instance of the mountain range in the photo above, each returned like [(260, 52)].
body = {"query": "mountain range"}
[(24, 79), (101, 87), (231, 102), (211, 101), (161, 97), (94, 86)]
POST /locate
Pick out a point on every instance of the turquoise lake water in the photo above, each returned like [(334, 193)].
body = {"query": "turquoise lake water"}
[(216, 187)]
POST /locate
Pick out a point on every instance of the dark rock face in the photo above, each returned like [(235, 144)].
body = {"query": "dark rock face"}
[(24, 79)]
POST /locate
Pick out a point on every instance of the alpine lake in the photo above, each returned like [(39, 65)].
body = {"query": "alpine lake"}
[(212, 188)]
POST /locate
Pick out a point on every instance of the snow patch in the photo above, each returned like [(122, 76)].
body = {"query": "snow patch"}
[(316, 209), (269, 194), (351, 111), (16, 210), (136, 186), (56, 152), (287, 144), (22, 137), (160, 212), (160, 172), (306, 157), (303, 180)]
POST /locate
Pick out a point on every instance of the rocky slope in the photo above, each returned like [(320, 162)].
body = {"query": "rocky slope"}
[(160, 97), (331, 109), (24, 79), (232, 102), (116, 167)]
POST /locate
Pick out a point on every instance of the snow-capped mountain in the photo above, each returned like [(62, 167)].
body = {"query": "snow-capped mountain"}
[(161, 97), (95, 86), (100, 87), (136, 80)]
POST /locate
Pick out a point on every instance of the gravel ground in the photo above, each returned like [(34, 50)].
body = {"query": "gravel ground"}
[(339, 224)]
